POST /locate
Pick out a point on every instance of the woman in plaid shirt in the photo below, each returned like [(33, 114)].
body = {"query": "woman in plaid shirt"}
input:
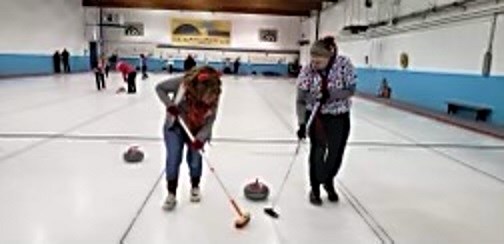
[(330, 80)]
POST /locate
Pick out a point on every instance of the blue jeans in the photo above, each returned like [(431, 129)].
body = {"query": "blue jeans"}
[(175, 138)]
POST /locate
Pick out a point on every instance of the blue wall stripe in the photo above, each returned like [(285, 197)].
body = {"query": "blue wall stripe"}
[(28, 64), (432, 90), (33, 64)]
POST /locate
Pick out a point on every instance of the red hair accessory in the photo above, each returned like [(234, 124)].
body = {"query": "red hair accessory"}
[(203, 77)]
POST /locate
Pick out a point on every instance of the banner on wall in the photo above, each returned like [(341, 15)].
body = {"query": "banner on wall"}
[(191, 32), (133, 29), (268, 35)]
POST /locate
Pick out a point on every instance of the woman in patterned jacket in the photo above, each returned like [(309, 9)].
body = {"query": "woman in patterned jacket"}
[(329, 80)]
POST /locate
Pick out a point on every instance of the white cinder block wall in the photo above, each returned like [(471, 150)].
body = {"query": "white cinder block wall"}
[(42, 26), (454, 48)]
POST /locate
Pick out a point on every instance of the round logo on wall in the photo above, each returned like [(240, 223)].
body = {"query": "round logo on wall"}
[(404, 60)]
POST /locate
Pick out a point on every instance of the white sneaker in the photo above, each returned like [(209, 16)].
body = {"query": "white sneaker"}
[(195, 194), (170, 202)]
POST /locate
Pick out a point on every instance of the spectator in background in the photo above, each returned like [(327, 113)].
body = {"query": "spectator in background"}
[(99, 70), (385, 90), (57, 62), (106, 63), (65, 55), (237, 65), (227, 66), (170, 63), (143, 66), (113, 59), (189, 63)]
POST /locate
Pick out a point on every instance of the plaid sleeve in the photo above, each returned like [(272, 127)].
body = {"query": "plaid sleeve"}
[(303, 80)]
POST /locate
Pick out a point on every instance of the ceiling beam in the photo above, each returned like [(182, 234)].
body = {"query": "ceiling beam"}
[(275, 7)]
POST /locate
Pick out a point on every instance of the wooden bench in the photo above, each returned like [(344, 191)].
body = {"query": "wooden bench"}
[(482, 111)]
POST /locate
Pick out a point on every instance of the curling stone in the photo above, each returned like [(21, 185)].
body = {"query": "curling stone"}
[(133, 155), (256, 191)]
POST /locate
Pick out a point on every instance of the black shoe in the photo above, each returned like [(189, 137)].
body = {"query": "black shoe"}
[(331, 193), (315, 199)]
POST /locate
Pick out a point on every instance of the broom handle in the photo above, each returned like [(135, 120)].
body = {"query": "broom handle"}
[(298, 146), (203, 154), (177, 100), (312, 116)]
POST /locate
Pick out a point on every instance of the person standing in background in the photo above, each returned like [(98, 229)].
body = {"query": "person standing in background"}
[(143, 66), (107, 65), (57, 62), (65, 55), (189, 63), (236, 65), (99, 73)]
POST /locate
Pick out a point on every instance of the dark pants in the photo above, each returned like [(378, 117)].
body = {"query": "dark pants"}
[(107, 70), (131, 82), (100, 80), (57, 66), (328, 136), (144, 72), (66, 66)]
